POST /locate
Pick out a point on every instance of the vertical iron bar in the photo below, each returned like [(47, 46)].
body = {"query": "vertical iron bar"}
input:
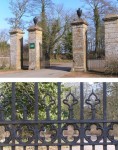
[(59, 115), (104, 101), (13, 113), (47, 147), (24, 147), (93, 147), (13, 102), (36, 107), (36, 101), (104, 116), (81, 116), (116, 147), (70, 147), (1, 147)]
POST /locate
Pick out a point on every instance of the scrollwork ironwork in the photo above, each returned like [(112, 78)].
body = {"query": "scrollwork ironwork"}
[(70, 101), (70, 133), (48, 133), (112, 133), (24, 134), (5, 135), (93, 101), (48, 102), (93, 133)]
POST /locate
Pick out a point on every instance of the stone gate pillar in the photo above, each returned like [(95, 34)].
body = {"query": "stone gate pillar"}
[(35, 47), (16, 44), (79, 37), (111, 37)]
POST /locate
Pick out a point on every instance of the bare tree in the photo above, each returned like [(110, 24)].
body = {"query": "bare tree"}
[(96, 10), (4, 46), (57, 26), (19, 9)]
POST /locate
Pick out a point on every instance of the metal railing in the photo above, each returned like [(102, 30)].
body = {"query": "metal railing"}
[(23, 126)]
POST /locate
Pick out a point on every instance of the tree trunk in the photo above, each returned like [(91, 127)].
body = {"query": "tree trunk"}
[(97, 29)]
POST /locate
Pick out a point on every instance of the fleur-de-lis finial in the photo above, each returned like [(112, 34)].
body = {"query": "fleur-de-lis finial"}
[(70, 101), (93, 101)]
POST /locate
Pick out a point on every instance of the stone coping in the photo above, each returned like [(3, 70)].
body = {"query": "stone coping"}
[(14, 31), (34, 28), (80, 21), (111, 17)]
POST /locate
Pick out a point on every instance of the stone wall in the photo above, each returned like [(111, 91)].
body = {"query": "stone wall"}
[(16, 42), (4, 62), (79, 31), (111, 37), (35, 54), (111, 44)]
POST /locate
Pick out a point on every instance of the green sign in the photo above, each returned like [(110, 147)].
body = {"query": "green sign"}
[(32, 45)]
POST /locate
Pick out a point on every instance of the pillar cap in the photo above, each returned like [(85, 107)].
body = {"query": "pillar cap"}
[(80, 21), (15, 31), (111, 17), (34, 28)]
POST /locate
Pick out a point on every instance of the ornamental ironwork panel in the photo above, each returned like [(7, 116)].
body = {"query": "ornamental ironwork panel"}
[(21, 129)]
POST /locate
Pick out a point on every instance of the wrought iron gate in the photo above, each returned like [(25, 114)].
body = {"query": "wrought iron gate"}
[(24, 56), (96, 57), (29, 130)]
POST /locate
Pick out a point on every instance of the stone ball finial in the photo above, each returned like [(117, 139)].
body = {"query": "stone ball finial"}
[(35, 19), (79, 12)]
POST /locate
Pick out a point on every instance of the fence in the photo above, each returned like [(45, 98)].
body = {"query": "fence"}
[(4, 56), (29, 121), (96, 55)]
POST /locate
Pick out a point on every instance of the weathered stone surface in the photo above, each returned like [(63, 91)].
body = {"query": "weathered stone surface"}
[(111, 37), (4, 62), (16, 39), (110, 17), (79, 29), (35, 55)]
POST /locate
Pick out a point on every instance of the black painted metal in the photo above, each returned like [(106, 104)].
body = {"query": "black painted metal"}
[(25, 57), (54, 132), (21, 46)]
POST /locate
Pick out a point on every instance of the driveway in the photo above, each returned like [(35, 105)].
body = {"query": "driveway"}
[(58, 70), (55, 71)]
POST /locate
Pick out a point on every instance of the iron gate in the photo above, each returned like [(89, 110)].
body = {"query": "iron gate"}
[(24, 56), (96, 56), (32, 131)]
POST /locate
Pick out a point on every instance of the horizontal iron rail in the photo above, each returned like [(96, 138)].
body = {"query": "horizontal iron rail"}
[(62, 144), (58, 122)]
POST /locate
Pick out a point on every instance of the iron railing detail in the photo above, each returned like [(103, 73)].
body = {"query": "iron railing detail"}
[(33, 131)]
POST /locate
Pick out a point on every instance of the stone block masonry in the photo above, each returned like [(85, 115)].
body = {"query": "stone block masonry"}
[(111, 37), (16, 42), (35, 54), (79, 31)]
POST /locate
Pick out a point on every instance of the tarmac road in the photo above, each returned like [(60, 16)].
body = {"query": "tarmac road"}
[(55, 71)]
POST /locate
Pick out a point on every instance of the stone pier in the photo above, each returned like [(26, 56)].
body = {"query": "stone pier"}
[(111, 37), (79, 37), (16, 44), (35, 47)]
